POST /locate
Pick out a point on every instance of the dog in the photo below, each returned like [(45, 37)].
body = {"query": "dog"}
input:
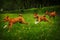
[(40, 18), (12, 21), (51, 14)]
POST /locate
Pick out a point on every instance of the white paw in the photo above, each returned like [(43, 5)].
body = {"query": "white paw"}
[(5, 26), (36, 22)]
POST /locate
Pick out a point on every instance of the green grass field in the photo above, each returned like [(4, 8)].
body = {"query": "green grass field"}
[(41, 31)]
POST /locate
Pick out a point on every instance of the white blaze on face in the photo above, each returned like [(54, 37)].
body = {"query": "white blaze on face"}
[(36, 22), (5, 26)]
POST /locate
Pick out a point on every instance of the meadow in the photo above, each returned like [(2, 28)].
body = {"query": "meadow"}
[(32, 31)]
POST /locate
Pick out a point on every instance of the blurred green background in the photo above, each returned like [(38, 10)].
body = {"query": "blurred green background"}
[(41, 31)]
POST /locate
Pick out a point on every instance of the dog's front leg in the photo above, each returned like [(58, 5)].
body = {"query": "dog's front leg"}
[(10, 26)]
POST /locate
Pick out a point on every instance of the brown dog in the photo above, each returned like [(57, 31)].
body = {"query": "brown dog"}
[(51, 14), (11, 21), (40, 18), (43, 18)]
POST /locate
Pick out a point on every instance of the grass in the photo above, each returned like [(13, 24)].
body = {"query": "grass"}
[(41, 31)]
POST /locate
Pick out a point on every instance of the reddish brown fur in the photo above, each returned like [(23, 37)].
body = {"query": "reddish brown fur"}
[(35, 15), (14, 20), (43, 18), (40, 18), (51, 14)]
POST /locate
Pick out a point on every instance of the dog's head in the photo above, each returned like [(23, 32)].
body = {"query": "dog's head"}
[(46, 13), (6, 18), (35, 15)]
